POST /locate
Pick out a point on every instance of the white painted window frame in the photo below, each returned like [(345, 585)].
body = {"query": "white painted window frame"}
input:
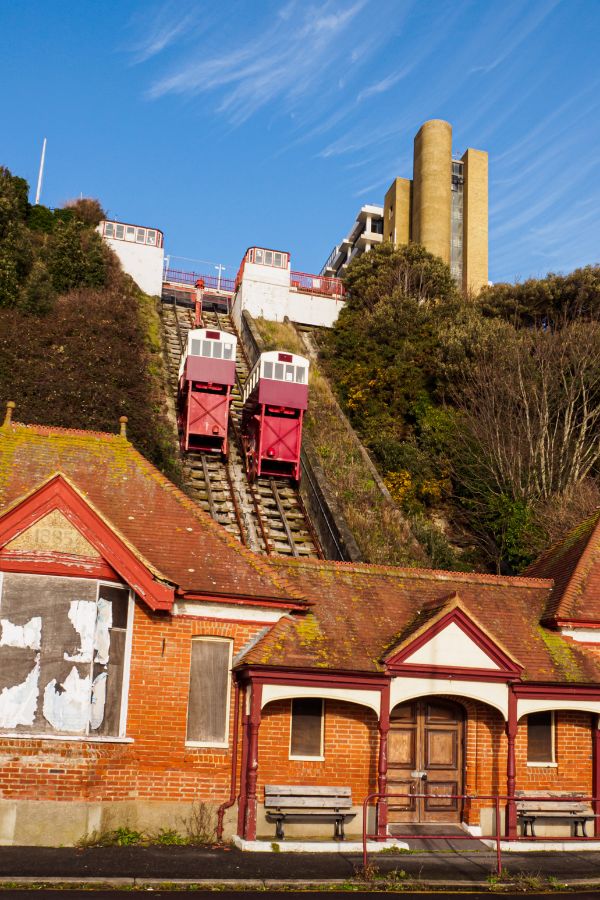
[(545, 764), (217, 745), (321, 756)]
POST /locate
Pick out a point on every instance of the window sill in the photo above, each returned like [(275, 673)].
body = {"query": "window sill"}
[(308, 758), (87, 738), (542, 765), (204, 745)]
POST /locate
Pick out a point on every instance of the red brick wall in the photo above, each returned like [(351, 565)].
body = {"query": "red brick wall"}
[(351, 742)]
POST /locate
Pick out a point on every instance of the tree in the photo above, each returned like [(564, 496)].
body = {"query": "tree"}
[(528, 428)]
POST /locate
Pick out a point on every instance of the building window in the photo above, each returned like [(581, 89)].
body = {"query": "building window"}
[(130, 233), (209, 693), (306, 732), (64, 643), (540, 738), (108, 229)]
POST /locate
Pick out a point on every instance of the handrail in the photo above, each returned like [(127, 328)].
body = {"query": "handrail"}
[(317, 284), (497, 837), (212, 282)]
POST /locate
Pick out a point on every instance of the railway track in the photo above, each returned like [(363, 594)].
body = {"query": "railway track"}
[(267, 516)]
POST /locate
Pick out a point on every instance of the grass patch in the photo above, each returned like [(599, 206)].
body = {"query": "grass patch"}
[(380, 529)]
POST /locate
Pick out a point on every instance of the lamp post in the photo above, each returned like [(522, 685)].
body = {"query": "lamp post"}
[(220, 269)]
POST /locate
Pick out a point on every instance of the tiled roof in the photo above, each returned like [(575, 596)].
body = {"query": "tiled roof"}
[(360, 612), (574, 564), (160, 521)]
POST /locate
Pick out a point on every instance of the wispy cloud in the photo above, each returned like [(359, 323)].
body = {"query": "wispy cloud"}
[(284, 62), (520, 34), (169, 23)]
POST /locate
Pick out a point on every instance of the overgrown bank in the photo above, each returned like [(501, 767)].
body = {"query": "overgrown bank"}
[(483, 417), (79, 342)]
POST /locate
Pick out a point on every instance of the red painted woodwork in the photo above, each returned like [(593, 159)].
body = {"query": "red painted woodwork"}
[(58, 493), (507, 668), (252, 762), (511, 767), (384, 727)]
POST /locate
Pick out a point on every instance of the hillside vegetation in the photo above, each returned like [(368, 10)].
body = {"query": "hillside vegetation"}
[(79, 342), (483, 416)]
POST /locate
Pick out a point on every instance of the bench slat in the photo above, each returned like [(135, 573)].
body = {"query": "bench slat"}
[(295, 790), (308, 803)]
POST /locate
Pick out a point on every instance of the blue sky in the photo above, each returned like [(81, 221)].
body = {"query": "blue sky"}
[(237, 123)]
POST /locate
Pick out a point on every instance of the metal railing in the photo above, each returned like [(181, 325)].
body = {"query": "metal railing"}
[(498, 800), (317, 284), (212, 282)]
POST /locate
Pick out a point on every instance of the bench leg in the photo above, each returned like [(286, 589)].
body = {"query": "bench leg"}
[(576, 824), (279, 828)]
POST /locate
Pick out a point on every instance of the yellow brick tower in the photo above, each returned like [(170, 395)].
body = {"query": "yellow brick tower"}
[(444, 207)]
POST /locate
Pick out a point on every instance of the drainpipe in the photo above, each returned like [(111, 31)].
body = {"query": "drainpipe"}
[(511, 733), (243, 768), (229, 803)]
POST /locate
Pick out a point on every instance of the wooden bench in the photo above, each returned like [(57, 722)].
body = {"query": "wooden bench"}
[(308, 802), (573, 810)]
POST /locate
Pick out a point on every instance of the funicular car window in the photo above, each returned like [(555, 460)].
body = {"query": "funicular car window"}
[(195, 347), (268, 370), (289, 373), (300, 374), (228, 351), (217, 350), (206, 348), (279, 371)]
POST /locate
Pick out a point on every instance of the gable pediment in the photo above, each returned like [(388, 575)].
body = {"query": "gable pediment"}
[(452, 642), (451, 647), (54, 529), (52, 533)]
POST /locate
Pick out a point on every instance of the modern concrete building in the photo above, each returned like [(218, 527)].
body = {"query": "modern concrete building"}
[(366, 231), (444, 207)]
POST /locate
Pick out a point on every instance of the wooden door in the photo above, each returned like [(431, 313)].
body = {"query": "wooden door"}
[(425, 756)]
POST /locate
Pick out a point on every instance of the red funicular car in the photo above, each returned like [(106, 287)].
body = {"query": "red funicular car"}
[(206, 375), (275, 398)]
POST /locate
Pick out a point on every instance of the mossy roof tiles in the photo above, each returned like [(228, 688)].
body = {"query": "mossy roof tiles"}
[(360, 613), (156, 518), (574, 565)]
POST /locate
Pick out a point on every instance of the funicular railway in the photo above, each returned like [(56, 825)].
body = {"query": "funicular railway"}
[(268, 514)]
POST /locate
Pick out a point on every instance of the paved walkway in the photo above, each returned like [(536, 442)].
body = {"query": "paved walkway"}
[(231, 865)]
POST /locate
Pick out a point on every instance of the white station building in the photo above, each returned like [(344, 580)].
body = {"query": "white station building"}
[(266, 286), (140, 250)]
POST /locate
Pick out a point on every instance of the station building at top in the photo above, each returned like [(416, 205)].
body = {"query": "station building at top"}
[(150, 663)]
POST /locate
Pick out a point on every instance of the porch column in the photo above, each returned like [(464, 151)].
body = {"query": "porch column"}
[(596, 773), (384, 727), (252, 777), (511, 769), (243, 767)]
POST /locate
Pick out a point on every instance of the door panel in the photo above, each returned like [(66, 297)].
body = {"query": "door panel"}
[(425, 756)]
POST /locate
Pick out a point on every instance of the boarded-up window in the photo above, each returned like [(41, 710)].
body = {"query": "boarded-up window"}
[(62, 655), (540, 737), (307, 727), (208, 703)]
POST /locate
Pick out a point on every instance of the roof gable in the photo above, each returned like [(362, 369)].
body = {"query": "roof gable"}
[(451, 640), (55, 524), (151, 514), (574, 565)]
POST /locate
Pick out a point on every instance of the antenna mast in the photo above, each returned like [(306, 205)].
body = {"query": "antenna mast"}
[(41, 175)]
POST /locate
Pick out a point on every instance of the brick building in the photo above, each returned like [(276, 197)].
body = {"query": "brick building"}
[(148, 661)]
